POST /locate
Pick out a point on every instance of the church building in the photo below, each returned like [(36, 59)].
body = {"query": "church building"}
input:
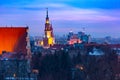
[(48, 39)]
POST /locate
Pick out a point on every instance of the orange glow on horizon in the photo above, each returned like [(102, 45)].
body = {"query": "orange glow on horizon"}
[(12, 39)]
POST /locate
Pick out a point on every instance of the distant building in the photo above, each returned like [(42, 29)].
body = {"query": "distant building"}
[(61, 39), (81, 37), (96, 52), (48, 39), (74, 39)]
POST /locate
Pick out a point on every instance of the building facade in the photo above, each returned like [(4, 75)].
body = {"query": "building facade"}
[(15, 54), (80, 37), (14, 40), (48, 39)]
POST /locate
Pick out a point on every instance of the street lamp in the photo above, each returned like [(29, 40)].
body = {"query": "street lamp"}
[(14, 75), (80, 67)]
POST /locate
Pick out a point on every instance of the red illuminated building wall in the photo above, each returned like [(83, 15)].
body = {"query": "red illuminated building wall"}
[(13, 39)]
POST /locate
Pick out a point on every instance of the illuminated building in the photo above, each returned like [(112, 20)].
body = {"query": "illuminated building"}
[(48, 39), (74, 39), (14, 40), (81, 37), (15, 53)]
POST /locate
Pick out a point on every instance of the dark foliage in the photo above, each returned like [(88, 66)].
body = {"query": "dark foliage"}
[(60, 66)]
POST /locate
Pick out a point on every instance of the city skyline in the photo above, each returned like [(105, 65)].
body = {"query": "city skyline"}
[(99, 18)]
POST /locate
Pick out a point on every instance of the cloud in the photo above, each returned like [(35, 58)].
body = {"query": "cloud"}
[(63, 16), (61, 12), (82, 15), (67, 12)]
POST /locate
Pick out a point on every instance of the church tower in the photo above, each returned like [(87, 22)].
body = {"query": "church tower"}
[(48, 31)]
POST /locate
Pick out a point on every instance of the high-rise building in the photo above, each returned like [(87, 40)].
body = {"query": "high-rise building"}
[(48, 39)]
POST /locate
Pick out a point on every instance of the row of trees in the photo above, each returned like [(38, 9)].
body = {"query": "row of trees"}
[(60, 66), (53, 66)]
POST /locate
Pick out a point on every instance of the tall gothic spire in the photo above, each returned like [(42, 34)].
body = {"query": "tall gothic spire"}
[(47, 18), (49, 37), (47, 13)]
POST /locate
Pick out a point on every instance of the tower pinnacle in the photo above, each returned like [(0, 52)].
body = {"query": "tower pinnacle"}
[(47, 13), (48, 40), (47, 18)]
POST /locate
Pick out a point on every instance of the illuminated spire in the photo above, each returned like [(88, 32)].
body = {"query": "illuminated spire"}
[(47, 18), (47, 13)]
